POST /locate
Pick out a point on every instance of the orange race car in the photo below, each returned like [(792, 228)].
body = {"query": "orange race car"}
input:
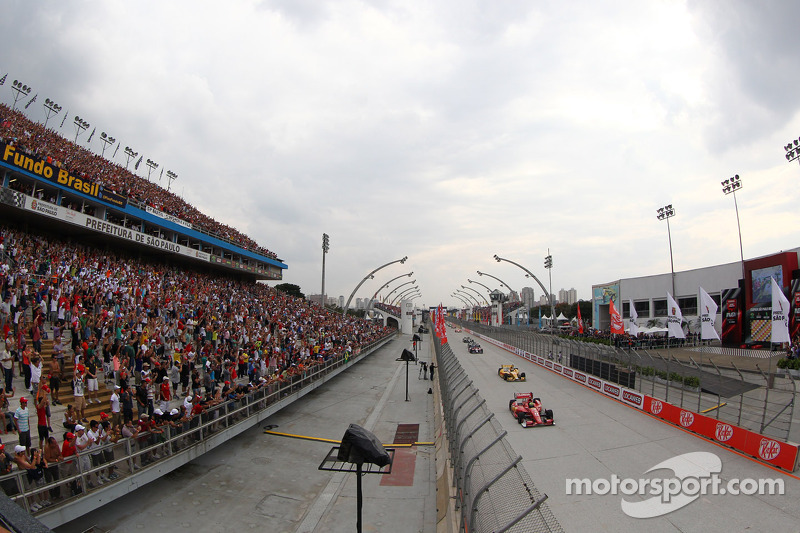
[(510, 373)]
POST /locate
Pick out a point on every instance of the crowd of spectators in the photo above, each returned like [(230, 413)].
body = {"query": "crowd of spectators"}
[(39, 142), (156, 334)]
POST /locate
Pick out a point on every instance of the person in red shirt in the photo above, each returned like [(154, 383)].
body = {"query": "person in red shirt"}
[(164, 395), (42, 404), (68, 451)]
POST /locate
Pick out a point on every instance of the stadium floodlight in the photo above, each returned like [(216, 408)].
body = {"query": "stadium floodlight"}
[(20, 91), (665, 213), (792, 150), (152, 165), (107, 140), (80, 125), (170, 176), (129, 154), (52, 109), (730, 186)]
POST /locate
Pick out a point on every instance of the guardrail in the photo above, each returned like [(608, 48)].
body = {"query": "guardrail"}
[(149, 456), (494, 491)]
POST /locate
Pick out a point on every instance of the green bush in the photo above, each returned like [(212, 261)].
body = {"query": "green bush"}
[(691, 381), (783, 363), (662, 374), (647, 371), (674, 376)]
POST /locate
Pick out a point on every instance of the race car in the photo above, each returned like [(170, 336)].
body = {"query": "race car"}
[(458, 330), (474, 347), (466, 339), (510, 373), (529, 411)]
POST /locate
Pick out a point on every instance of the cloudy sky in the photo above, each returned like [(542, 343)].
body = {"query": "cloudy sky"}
[(445, 131)]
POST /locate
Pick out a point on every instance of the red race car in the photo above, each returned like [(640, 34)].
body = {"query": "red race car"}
[(529, 411)]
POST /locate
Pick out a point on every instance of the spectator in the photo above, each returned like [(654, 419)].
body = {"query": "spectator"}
[(21, 421)]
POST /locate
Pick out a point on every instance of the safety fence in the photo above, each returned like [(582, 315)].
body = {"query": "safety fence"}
[(101, 468), (494, 491)]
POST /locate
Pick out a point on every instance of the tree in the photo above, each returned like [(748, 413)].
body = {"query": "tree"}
[(291, 289)]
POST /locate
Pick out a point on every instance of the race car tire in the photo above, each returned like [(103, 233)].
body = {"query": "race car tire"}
[(548, 414), (522, 375)]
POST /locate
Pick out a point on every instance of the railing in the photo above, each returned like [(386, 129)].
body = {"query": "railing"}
[(77, 476), (495, 492), (758, 402)]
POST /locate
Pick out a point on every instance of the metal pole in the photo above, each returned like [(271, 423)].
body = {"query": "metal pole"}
[(371, 275)]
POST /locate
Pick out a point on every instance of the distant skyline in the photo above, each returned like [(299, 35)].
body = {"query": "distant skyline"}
[(446, 132)]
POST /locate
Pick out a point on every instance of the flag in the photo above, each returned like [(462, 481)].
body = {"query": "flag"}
[(780, 314), (91, 135), (674, 319), (708, 314), (63, 119), (32, 101), (633, 328), (440, 327), (136, 166), (540, 317), (3, 79), (616, 319), (580, 320), (162, 174), (115, 150)]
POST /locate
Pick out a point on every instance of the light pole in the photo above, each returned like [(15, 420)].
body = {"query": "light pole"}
[(665, 213), (400, 295), (107, 139), (461, 298), (476, 292), (388, 283), (80, 125), (51, 108), (325, 247), (548, 264), (170, 176), (792, 149), (20, 91), (529, 274), (152, 165), (129, 154), (729, 186), (401, 285), (481, 284), (471, 298), (371, 275), (502, 283)]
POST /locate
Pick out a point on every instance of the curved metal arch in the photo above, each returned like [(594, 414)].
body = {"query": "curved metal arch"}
[(530, 274), (388, 283), (476, 292), (371, 275)]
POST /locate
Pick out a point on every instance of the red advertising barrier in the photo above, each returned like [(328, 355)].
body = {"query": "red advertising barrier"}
[(781, 454)]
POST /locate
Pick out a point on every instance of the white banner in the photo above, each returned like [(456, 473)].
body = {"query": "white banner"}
[(633, 329), (780, 314), (708, 315), (165, 216), (674, 319)]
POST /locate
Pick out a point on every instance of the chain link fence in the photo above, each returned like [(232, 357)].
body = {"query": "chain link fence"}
[(757, 398), (494, 491)]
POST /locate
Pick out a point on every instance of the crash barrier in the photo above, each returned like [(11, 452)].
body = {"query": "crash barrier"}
[(73, 487), (494, 491), (781, 454), (760, 401)]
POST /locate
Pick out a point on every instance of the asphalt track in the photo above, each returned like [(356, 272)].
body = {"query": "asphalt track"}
[(596, 437)]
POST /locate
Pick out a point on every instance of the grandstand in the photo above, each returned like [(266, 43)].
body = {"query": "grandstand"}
[(114, 270), (48, 177)]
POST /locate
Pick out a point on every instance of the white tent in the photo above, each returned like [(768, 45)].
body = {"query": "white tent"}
[(562, 317)]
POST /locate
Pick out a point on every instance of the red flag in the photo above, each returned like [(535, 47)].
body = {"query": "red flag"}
[(580, 322), (616, 320), (440, 327)]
